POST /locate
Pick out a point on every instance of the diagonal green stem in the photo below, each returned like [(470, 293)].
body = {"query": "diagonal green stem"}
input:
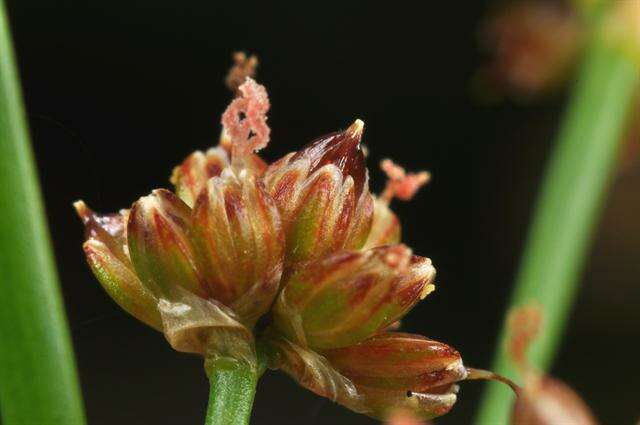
[(232, 390), (38, 382), (568, 207)]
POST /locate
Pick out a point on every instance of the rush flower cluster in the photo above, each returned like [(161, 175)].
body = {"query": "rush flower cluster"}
[(301, 242)]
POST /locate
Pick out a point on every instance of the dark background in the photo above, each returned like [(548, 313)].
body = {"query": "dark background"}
[(119, 92)]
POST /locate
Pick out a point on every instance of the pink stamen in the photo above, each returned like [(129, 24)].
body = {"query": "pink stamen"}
[(400, 184), (245, 119)]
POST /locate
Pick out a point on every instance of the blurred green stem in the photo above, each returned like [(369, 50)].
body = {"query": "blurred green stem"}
[(38, 382), (232, 390), (576, 180)]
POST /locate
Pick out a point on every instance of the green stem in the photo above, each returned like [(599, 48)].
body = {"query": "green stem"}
[(232, 389), (38, 382), (568, 207)]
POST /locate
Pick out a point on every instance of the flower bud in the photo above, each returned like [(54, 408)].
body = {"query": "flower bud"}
[(106, 253), (402, 371), (161, 245), (385, 227), (192, 175), (110, 229), (322, 195), (349, 296), (240, 239), (398, 361), (381, 375)]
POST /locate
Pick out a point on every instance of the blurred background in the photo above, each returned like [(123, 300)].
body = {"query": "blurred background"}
[(119, 92)]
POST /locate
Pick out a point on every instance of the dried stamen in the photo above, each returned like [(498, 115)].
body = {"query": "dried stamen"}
[(245, 120), (400, 184), (242, 68)]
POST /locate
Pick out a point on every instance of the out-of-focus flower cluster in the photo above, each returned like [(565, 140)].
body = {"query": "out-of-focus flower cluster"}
[(302, 239), (534, 48), (543, 400), (533, 45)]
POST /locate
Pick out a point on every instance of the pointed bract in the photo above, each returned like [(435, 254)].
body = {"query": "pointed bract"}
[(109, 229), (106, 252), (240, 239), (342, 149), (122, 284), (349, 296), (161, 244)]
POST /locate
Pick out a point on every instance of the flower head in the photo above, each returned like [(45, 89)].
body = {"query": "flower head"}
[(301, 240)]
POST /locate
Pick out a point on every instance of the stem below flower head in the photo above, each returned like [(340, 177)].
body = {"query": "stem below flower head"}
[(232, 389)]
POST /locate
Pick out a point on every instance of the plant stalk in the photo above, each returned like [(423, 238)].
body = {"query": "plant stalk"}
[(567, 210), (38, 382), (232, 390)]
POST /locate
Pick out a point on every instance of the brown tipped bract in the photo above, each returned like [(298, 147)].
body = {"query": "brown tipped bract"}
[(107, 255)]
